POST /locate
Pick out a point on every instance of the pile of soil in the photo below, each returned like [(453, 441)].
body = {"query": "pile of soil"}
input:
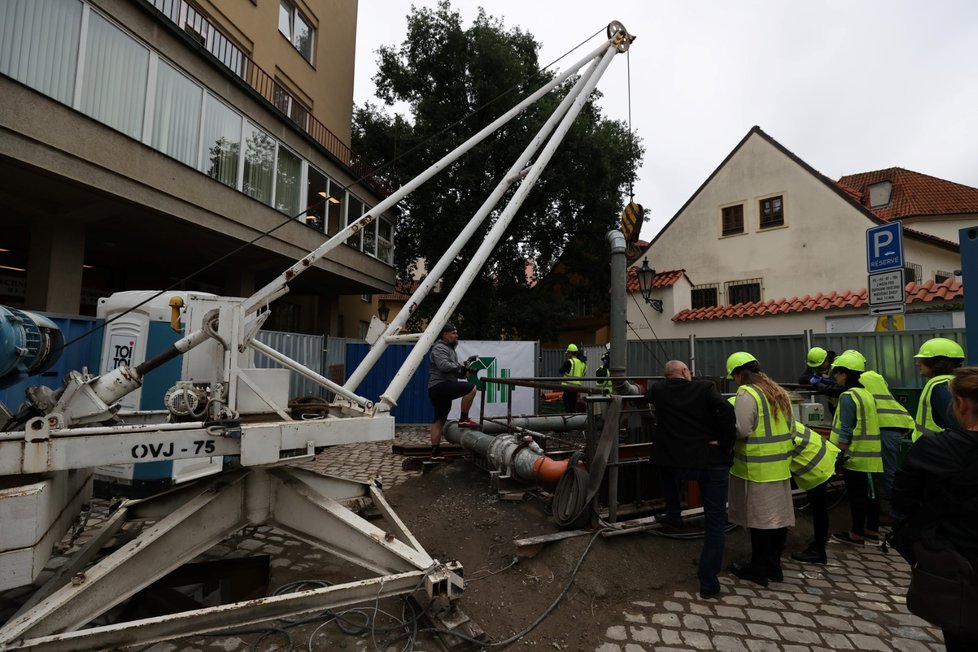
[(457, 516)]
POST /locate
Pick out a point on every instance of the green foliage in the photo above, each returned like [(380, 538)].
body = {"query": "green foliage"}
[(454, 81)]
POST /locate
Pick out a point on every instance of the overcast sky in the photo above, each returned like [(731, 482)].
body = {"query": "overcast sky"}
[(848, 86)]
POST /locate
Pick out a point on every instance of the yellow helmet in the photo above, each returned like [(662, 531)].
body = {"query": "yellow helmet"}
[(816, 356), (738, 359), (572, 348), (940, 347), (851, 360)]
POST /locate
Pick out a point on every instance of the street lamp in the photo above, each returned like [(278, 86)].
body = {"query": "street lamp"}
[(645, 276), (383, 311)]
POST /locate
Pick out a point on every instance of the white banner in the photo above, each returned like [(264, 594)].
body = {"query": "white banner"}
[(498, 360)]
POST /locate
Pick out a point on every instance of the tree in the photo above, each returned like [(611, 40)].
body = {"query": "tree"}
[(454, 81)]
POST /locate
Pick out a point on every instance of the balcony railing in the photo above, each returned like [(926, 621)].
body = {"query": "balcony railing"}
[(194, 22)]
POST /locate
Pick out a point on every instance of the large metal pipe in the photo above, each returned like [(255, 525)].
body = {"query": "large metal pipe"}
[(619, 341), (550, 423), (514, 455)]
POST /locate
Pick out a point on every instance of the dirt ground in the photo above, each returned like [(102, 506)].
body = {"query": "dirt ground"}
[(457, 516)]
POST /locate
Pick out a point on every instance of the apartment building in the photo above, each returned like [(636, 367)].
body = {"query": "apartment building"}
[(149, 144)]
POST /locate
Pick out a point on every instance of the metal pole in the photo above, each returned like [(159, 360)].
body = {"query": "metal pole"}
[(389, 398), (969, 277), (436, 272), (619, 339)]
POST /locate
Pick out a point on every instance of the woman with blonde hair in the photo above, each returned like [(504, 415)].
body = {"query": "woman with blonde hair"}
[(760, 488)]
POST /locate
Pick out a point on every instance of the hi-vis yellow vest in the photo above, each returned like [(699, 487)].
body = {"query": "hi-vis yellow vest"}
[(890, 413), (764, 455), (812, 458), (925, 417), (865, 450), (576, 371)]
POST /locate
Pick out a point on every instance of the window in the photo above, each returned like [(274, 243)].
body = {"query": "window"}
[(705, 296), (584, 308), (879, 194), (221, 143), (288, 105), (912, 273), (176, 118), (733, 219), (354, 213), (748, 291), (114, 86), (39, 44), (288, 172), (385, 239), (296, 28), (259, 163), (940, 276), (772, 212), (364, 327), (370, 238)]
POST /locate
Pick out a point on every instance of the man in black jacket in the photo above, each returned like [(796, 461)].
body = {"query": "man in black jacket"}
[(692, 440)]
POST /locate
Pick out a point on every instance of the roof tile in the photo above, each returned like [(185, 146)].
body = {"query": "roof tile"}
[(948, 290), (912, 194), (660, 280)]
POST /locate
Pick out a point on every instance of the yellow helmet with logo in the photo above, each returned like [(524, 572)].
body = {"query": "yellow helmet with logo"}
[(738, 359), (940, 347)]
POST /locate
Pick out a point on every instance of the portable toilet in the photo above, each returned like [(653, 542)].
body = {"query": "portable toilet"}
[(138, 327)]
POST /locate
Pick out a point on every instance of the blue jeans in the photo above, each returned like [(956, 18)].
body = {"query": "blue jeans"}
[(891, 441), (713, 492)]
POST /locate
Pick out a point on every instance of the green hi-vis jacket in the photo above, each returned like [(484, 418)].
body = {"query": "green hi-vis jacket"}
[(925, 416), (865, 449), (891, 414), (764, 455), (812, 458)]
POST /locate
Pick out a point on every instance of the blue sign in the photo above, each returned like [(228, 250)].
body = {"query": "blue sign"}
[(884, 247)]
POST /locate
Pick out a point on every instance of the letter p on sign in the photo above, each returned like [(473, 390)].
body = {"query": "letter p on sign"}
[(881, 240)]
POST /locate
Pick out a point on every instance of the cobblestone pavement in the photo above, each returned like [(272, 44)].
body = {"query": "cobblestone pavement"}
[(856, 602)]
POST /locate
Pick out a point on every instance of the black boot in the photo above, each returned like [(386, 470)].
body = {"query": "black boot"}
[(811, 555), (745, 572)]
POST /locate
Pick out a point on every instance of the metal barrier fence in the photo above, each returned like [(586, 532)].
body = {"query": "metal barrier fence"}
[(781, 356), (305, 349)]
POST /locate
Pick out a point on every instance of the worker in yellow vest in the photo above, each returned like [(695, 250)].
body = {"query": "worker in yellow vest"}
[(856, 430), (896, 424), (816, 375), (812, 466), (760, 488), (936, 361), (573, 367)]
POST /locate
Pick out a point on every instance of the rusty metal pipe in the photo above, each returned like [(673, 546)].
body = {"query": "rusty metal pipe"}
[(514, 455)]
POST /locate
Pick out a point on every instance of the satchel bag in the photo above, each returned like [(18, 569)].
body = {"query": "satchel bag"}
[(943, 589)]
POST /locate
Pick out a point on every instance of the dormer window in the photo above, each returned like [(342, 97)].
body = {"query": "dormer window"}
[(879, 194)]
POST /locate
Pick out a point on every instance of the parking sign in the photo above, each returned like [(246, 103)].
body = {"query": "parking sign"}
[(884, 247)]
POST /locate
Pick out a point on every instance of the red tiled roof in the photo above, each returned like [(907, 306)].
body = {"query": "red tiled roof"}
[(913, 194), (660, 280), (948, 290)]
